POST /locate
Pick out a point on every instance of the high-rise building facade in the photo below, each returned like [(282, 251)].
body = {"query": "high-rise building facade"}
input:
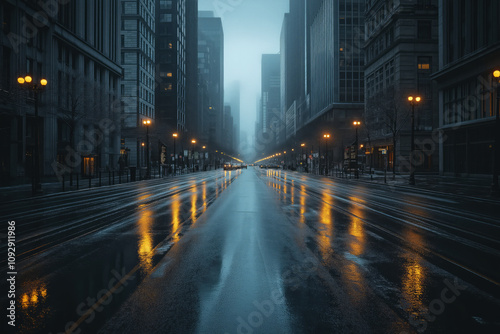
[(75, 46), (228, 129), (322, 61), (232, 97), (293, 70), (176, 73), (211, 79), (469, 52), (138, 84), (192, 81), (271, 119), (336, 72), (401, 51), (171, 64)]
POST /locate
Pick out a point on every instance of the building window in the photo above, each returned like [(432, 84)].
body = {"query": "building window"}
[(165, 17), (424, 63), (5, 69), (424, 29), (165, 4)]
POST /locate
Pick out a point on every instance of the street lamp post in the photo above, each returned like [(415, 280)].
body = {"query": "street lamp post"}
[(27, 82), (302, 154), (147, 123), (413, 101), (175, 135), (204, 147), (495, 189), (356, 125), (192, 151), (326, 136)]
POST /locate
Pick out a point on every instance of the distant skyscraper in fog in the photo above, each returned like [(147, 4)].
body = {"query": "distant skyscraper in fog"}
[(270, 118), (232, 97)]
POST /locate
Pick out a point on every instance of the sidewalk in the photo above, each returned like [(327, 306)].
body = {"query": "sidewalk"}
[(464, 186), (53, 186), (23, 191)]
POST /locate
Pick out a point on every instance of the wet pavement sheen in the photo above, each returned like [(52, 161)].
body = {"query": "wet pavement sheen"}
[(259, 251)]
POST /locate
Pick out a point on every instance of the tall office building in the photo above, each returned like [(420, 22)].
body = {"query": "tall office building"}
[(138, 84), (192, 81), (469, 52), (272, 123), (322, 88), (77, 50), (336, 72), (176, 72), (228, 129), (401, 52), (211, 78), (293, 69), (232, 97)]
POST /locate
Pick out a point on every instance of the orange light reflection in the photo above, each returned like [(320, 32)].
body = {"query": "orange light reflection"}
[(413, 290), (357, 240), (176, 208), (145, 245), (325, 232)]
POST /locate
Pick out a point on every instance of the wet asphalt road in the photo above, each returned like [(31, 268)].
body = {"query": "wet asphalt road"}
[(256, 251)]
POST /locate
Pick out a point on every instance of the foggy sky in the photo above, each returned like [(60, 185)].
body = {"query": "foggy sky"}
[(251, 28)]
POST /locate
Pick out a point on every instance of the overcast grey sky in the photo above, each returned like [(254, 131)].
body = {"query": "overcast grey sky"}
[(251, 28)]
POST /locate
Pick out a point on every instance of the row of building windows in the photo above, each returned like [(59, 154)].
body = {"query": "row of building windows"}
[(147, 80), (146, 110), (147, 13), (350, 54), (469, 100), (165, 18), (166, 4), (470, 25), (381, 79), (146, 95), (376, 17), (381, 43)]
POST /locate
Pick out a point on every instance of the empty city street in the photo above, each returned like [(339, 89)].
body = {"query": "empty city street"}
[(255, 251)]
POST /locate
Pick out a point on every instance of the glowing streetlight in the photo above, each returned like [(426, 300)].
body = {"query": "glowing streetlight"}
[(27, 82), (413, 101), (495, 189), (326, 136), (356, 125), (147, 124), (175, 135), (192, 150)]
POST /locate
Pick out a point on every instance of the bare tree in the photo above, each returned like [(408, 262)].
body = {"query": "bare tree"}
[(387, 112)]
